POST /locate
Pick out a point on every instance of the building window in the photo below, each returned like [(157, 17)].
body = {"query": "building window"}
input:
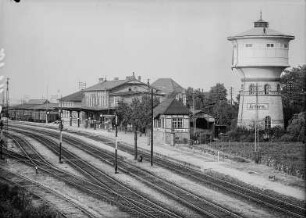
[(285, 45), (267, 122), (248, 45), (270, 45), (252, 89), (177, 123), (267, 89)]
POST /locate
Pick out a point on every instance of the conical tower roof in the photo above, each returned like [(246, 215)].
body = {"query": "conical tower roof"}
[(261, 29)]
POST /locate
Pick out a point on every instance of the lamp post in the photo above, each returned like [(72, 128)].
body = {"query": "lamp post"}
[(116, 143)]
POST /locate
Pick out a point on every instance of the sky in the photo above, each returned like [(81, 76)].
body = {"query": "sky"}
[(51, 45)]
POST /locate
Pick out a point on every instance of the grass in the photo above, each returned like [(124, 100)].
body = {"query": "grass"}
[(288, 157)]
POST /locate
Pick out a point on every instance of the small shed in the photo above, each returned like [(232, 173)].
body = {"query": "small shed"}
[(202, 126), (171, 122)]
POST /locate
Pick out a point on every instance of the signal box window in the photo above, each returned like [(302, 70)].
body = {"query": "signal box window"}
[(248, 45), (177, 123), (270, 45)]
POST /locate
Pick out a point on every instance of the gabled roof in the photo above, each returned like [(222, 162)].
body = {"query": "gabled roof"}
[(168, 86), (170, 107), (106, 85), (201, 114), (74, 97), (37, 101)]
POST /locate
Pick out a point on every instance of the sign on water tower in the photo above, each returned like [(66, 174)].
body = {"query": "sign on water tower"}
[(253, 106)]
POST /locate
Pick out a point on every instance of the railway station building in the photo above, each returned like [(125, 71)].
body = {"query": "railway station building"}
[(94, 107)]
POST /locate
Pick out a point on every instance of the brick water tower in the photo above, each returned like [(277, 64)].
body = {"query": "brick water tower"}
[(260, 55)]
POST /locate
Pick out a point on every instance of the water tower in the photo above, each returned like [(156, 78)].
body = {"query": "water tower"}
[(260, 55)]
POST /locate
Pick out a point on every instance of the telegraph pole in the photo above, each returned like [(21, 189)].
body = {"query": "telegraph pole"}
[(116, 145), (256, 120), (47, 107), (304, 92), (61, 136), (7, 105), (152, 126), (231, 90)]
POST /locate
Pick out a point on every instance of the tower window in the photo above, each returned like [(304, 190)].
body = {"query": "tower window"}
[(267, 122), (278, 88), (270, 45), (252, 89), (267, 89), (248, 45)]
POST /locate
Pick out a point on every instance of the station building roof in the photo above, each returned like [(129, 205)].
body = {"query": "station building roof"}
[(106, 85), (74, 97), (37, 101), (168, 86)]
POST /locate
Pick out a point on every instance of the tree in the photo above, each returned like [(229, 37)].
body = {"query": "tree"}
[(197, 98), (217, 93), (219, 107), (292, 83), (138, 114), (225, 113), (124, 112)]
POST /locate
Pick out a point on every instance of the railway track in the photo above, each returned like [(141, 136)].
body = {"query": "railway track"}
[(267, 201), (128, 199), (248, 194), (201, 205), (71, 209)]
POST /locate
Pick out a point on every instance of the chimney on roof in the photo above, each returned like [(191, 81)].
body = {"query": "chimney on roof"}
[(139, 78), (101, 80)]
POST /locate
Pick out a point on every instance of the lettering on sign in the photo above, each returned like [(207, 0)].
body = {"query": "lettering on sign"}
[(252, 106)]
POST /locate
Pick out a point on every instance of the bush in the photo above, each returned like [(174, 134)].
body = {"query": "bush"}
[(296, 127), (16, 202), (287, 138), (238, 134), (277, 132)]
